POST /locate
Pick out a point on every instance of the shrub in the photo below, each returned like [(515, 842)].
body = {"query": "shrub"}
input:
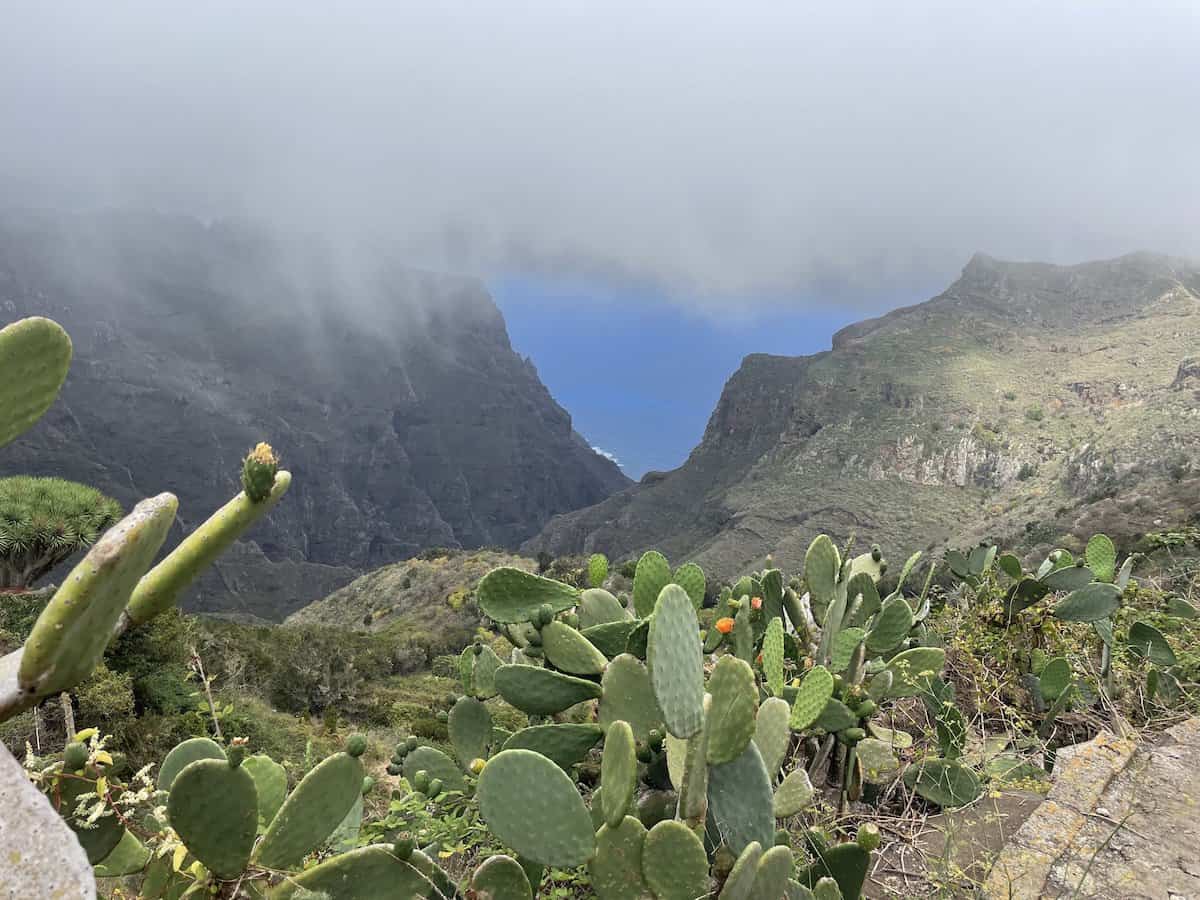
[(1034, 413)]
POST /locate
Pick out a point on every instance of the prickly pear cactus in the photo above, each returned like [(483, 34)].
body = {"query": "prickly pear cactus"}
[(35, 355), (213, 807), (258, 472)]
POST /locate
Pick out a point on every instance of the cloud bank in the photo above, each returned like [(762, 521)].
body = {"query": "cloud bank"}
[(753, 150)]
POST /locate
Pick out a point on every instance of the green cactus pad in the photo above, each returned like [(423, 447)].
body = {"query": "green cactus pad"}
[(184, 753), (944, 782), (70, 635), (794, 794), (368, 873), (740, 801), (815, 691), (639, 638), (891, 626), (483, 674), (845, 643), (913, 670), (771, 733), (1070, 578), (822, 564), (570, 651), (772, 656), (598, 607), (676, 662), (213, 807), (877, 760), (1054, 678), (597, 568), (846, 864), (693, 778), (674, 863), (466, 669), (35, 354), (501, 878), (618, 772), (611, 638), (270, 782), (514, 595), (628, 696), (730, 723), (774, 869), (865, 564), (160, 588), (97, 842), (652, 575), (437, 765), (740, 883), (1089, 603), (470, 729), (863, 585), (1146, 640), (616, 869), (743, 635), (313, 810), (565, 744), (129, 857), (826, 889), (772, 594), (532, 806), (690, 577), (894, 738), (1101, 557), (835, 716), (542, 692)]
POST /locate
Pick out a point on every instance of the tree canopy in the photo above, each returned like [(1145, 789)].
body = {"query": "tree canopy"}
[(45, 520)]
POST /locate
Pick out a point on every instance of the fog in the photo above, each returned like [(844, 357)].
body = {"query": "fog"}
[(724, 153)]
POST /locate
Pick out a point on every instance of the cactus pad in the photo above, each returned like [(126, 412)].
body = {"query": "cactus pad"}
[(313, 810), (740, 801), (845, 643), (184, 753), (1069, 578), (470, 728), (541, 692), (676, 662), (846, 864), (97, 842), (270, 782), (35, 355), (611, 638), (794, 794), (1146, 640), (597, 568), (436, 764), (367, 873), (213, 807), (944, 782), (129, 857), (740, 883), (483, 673), (618, 772), (653, 573), (730, 722), (822, 564), (598, 607), (772, 656), (532, 806), (773, 871), (913, 670), (616, 869), (815, 691), (690, 577), (890, 627), (565, 744), (71, 633), (674, 863), (771, 733), (501, 878), (514, 595), (1101, 557), (1089, 603), (628, 696), (1054, 678), (570, 651), (877, 760), (161, 586)]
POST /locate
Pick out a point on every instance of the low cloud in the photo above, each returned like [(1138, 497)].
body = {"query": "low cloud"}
[(607, 455)]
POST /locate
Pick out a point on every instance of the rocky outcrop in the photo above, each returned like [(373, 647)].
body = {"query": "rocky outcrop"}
[(1027, 403), (394, 397)]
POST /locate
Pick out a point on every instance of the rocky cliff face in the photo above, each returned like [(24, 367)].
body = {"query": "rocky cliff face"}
[(393, 396), (1029, 403)]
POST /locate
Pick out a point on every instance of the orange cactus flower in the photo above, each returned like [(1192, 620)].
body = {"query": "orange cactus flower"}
[(725, 625), (756, 602)]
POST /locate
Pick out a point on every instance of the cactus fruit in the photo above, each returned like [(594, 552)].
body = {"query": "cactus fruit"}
[(676, 663), (1089, 603), (815, 691), (470, 728), (213, 807), (508, 595), (435, 764), (793, 795), (158, 590), (570, 651), (618, 772), (674, 863), (356, 744), (616, 869), (566, 744), (868, 836), (75, 756), (501, 878), (532, 806), (258, 472), (542, 692), (312, 811), (731, 719), (35, 355), (653, 573)]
